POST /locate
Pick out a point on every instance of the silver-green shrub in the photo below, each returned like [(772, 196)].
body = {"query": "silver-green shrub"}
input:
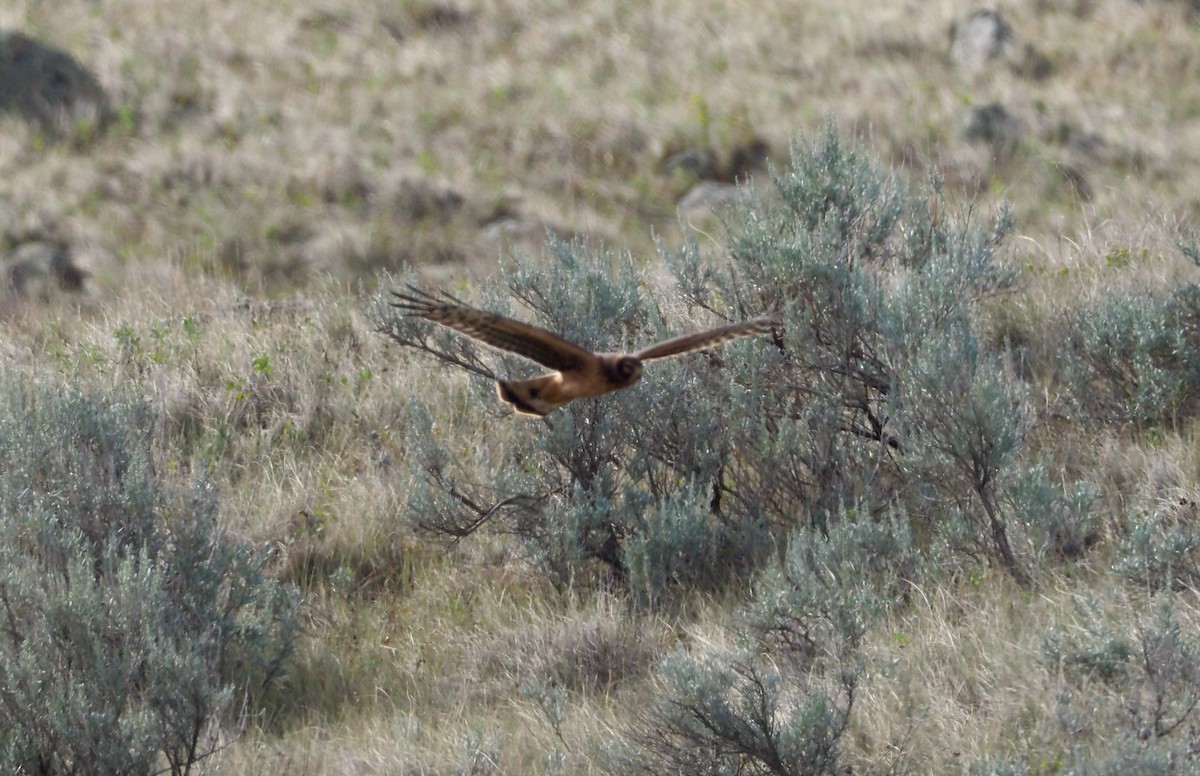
[(876, 435), (1135, 356), (739, 713), (877, 390), (134, 630), (1160, 549), (819, 600), (1154, 667), (1130, 361)]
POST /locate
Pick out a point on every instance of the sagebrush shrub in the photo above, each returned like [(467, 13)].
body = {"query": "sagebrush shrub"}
[(134, 627), (684, 546), (877, 390), (1125, 365), (738, 713), (1135, 356), (1161, 547), (818, 602), (1153, 664)]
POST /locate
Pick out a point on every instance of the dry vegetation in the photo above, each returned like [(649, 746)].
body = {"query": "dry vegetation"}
[(261, 162)]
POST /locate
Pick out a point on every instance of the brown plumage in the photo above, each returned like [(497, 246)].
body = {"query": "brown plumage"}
[(578, 372)]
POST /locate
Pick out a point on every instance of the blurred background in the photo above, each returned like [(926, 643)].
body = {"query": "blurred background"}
[(270, 143)]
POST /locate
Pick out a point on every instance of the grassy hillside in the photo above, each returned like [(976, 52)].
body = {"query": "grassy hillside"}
[(257, 169), (279, 143)]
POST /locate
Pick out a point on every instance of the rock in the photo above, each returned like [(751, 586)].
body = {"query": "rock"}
[(700, 163), (748, 158), (983, 38), (994, 125), (49, 87), (986, 39), (39, 268), (707, 164), (418, 200)]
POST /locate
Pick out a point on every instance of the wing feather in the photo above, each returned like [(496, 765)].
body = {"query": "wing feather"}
[(530, 342), (707, 339)]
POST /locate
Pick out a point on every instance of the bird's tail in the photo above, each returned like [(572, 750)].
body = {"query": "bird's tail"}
[(530, 397)]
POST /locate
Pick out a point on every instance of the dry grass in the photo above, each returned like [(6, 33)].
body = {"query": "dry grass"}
[(277, 143), (964, 677), (410, 657), (266, 156)]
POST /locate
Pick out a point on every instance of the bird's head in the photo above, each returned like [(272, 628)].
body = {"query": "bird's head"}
[(627, 370)]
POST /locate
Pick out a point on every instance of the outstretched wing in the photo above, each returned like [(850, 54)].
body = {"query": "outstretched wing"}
[(707, 339), (537, 345)]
